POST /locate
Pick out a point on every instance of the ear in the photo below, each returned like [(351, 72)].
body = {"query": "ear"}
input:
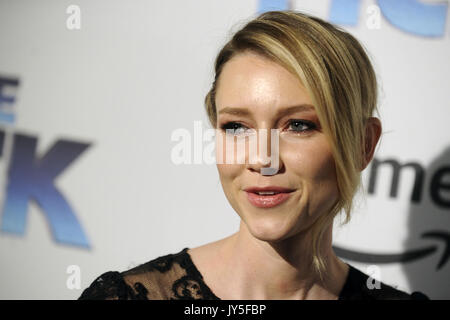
[(373, 133)]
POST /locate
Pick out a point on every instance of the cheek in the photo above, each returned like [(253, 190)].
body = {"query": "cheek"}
[(229, 177), (227, 171), (226, 156), (314, 168), (312, 162)]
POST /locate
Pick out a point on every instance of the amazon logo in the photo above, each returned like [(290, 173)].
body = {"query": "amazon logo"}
[(412, 255), (438, 187)]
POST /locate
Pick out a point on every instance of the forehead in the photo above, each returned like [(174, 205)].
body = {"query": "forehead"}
[(253, 81)]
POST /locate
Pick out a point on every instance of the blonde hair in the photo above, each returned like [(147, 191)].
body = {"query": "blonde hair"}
[(339, 77)]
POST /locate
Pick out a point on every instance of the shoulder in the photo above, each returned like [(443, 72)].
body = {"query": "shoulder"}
[(360, 286), (108, 286), (160, 278)]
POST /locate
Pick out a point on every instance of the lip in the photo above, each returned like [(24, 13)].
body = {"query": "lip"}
[(268, 188), (268, 201)]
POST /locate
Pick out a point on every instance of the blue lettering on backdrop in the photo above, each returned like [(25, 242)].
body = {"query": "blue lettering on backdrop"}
[(345, 12), (423, 19), (32, 177), (412, 16), (6, 101), (271, 5)]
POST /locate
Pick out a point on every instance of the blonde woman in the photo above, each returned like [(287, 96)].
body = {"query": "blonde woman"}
[(314, 86)]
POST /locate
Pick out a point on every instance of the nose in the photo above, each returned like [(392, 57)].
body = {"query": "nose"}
[(264, 156)]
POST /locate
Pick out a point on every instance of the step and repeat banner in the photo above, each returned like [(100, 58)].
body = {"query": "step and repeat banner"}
[(94, 95)]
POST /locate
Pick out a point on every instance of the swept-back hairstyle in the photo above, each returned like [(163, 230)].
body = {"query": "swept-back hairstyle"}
[(337, 74)]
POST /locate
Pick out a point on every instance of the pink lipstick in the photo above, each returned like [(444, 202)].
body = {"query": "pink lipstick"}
[(267, 197)]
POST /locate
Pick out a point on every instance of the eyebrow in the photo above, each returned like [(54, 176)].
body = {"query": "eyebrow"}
[(283, 112)]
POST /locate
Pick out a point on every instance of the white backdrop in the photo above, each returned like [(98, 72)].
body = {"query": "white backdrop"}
[(134, 72)]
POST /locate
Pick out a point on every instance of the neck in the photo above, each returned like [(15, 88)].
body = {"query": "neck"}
[(282, 270)]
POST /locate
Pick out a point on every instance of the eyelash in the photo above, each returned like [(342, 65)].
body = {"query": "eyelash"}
[(311, 126)]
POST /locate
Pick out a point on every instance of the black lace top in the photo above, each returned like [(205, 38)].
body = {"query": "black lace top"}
[(175, 277)]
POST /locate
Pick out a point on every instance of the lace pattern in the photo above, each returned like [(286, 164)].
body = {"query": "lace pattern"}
[(175, 277)]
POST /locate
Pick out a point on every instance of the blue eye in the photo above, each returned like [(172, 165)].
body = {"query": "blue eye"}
[(296, 126), (234, 128), (301, 126)]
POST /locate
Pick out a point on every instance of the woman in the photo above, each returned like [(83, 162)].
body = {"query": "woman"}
[(313, 85)]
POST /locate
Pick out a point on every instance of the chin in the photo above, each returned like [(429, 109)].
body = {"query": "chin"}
[(268, 228)]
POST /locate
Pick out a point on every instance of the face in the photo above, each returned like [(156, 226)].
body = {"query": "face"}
[(255, 94)]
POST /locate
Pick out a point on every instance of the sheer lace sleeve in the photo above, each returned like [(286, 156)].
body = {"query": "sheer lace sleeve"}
[(169, 277), (175, 277), (112, 286)]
